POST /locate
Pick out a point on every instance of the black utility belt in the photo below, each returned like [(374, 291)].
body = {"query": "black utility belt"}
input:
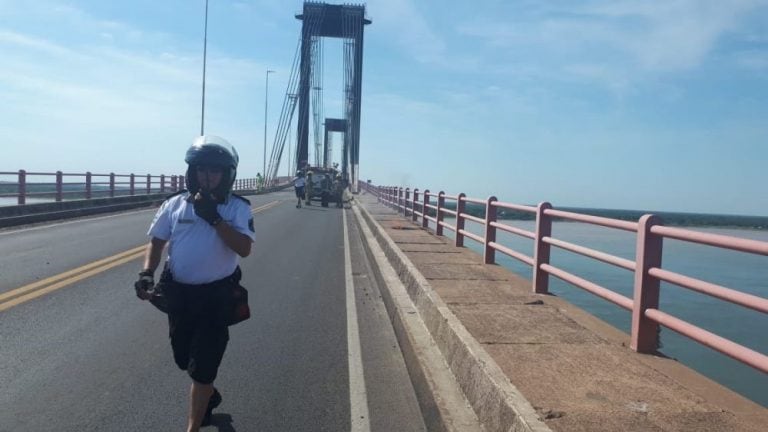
[(167, 277), (237, 295)]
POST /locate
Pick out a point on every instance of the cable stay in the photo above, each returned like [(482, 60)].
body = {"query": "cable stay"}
[(286, 115)]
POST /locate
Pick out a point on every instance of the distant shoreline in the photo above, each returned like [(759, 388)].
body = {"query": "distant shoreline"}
[(668, 218)]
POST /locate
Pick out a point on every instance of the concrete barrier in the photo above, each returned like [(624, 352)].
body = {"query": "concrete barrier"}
[(45, 212), (443, 405)]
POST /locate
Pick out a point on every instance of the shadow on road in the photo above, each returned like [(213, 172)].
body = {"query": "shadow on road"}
[(318, 208), (222, 422)]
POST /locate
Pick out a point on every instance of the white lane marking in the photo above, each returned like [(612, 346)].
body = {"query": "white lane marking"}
[(358, 397)]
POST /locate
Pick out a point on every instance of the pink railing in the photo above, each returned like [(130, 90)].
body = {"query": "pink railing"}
[(647, 270), (60, 186)]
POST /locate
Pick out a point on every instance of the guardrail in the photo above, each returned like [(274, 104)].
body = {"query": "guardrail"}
[(648, 273), (59, 186)]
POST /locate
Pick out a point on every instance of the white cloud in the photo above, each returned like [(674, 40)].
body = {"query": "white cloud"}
[(401, 20), (620, 41), (676, 35), (753, 59)]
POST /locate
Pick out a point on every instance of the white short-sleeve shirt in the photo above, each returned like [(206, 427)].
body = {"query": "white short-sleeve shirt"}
[(196, 253)]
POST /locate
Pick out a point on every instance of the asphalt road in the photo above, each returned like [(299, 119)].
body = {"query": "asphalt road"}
[(79, 352)]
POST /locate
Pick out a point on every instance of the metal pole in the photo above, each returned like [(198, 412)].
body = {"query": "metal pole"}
[(205, 53), (290, 172), (266, 100), (292, 164)]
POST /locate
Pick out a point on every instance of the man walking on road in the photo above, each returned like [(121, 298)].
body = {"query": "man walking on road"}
[(298, 186), (208, 229)]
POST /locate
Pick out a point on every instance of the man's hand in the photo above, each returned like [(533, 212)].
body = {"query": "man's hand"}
[(205, 208), (145, 283)]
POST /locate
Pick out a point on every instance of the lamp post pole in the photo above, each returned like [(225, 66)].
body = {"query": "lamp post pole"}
[(205, 52), (266, 101), (291, 169)]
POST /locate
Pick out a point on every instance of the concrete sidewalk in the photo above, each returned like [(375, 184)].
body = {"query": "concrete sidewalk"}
[(535, 362)]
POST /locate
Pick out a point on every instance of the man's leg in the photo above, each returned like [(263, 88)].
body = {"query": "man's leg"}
[(199, 394), (207, 350)]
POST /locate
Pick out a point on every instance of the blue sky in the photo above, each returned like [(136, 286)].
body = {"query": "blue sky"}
[(654, 105)]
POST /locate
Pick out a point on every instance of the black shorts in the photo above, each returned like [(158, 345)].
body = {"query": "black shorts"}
[(299, 191), (197, 324)]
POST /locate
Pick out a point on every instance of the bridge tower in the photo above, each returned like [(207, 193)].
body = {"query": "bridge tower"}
[(337, 21)]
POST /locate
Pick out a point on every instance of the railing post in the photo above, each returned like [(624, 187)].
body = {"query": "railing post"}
[(399, 198), (162, 183), (540, 249), (88, 185), (439, 215), (414, 216), (59, 186), (111, 185), (460, 207), (394, 197), (644, 337), (149, 184), (425, 210), (174, 183), (133, 184), (182, 183), (21, 198), (489, 255), (405, 201)]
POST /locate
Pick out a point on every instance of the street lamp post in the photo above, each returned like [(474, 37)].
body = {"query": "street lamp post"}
[(205, 52), (291, 169), (266, 101)]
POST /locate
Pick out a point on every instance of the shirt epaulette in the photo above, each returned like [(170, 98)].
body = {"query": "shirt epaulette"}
[(175, 193), (241, 198)]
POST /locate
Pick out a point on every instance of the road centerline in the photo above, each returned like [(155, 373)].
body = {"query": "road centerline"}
[(36, 289)]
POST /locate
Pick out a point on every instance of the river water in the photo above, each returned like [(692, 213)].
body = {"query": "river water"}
[(737, 270)]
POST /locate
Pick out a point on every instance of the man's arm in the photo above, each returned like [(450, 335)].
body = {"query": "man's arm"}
[(154, 253), (235, 240)]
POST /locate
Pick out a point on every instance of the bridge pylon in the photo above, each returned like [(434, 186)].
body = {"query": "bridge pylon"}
[(337, 21)]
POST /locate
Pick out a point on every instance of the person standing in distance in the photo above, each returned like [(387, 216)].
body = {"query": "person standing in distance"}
[(208, 229), (298, 186)]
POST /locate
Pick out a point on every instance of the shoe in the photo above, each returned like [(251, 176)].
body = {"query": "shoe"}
[(213, 402)]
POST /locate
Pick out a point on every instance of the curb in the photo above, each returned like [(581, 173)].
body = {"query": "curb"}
[(441, 401), (496, 402)]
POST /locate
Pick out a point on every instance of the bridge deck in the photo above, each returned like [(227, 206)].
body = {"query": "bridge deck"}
[(575, 370)]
